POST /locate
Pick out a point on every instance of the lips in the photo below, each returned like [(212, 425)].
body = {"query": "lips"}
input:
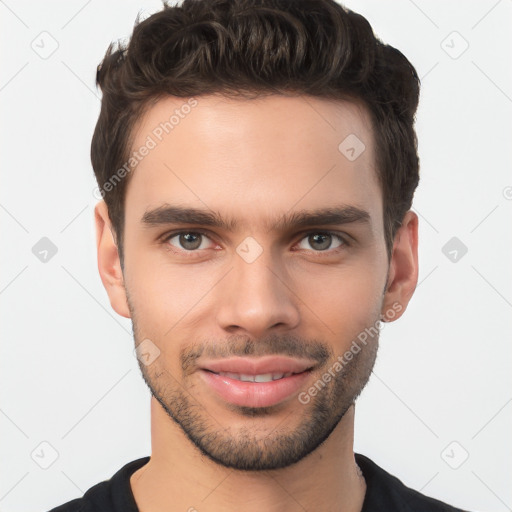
[(262, 377), (251, 382), (260, 366)]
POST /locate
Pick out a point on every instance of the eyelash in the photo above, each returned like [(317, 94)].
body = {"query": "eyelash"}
[(343, 239)]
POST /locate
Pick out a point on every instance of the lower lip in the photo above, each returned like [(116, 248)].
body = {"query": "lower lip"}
[(254, 394)]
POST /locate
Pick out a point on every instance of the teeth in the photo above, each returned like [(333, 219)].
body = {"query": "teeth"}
[(264, 377), (267, 377)]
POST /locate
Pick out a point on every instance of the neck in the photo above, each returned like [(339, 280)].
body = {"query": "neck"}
[(328, 479)]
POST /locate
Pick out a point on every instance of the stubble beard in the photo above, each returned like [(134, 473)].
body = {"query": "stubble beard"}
[(252, 447)]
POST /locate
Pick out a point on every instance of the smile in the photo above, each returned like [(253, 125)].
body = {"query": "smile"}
[(254, 390), (262, 377)]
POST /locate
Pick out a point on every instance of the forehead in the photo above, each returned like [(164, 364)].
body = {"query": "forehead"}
[(253, 157)]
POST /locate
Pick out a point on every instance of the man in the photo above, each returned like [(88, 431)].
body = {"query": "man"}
[(257, 162)]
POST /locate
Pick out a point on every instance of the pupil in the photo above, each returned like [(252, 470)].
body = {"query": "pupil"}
[(326, 244), (190, 244)]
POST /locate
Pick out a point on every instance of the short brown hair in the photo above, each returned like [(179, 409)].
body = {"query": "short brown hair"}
[(258, 47)]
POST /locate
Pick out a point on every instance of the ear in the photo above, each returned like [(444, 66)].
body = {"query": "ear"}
[(109, 264), (403, 269)]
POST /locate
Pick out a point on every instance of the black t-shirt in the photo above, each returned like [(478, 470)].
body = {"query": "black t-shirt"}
[(384, 492)]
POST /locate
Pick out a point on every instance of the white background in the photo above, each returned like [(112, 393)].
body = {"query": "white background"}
[(68, 374)]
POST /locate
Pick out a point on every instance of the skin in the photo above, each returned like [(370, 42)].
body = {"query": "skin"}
[(255, 160)]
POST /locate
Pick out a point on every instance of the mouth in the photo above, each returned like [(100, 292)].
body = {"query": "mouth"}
[(253, 382), (262, 377), (245, 368)]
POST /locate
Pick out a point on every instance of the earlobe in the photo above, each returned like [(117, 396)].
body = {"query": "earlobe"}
[(109, 264), (403, 269)]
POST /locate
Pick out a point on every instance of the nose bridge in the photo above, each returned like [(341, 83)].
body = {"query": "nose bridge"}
[(258, 297)]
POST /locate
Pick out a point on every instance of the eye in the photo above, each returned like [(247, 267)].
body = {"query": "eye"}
[(194, 241), (323, 240), (187, 240)]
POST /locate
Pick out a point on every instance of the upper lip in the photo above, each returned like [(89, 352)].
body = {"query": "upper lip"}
[(258, 366)]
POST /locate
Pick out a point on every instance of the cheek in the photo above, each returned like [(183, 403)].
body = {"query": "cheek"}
[(166, 297), (347, 300)]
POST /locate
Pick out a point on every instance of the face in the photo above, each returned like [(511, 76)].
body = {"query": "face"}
[(251, 237)]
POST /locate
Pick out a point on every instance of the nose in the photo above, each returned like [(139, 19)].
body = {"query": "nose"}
[(257, 297)]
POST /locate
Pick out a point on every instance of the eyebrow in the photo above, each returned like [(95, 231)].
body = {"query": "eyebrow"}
[(169, 214)]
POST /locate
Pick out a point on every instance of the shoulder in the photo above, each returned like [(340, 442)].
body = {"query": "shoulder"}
[(108, 495), (386, 492), (96, 496)]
